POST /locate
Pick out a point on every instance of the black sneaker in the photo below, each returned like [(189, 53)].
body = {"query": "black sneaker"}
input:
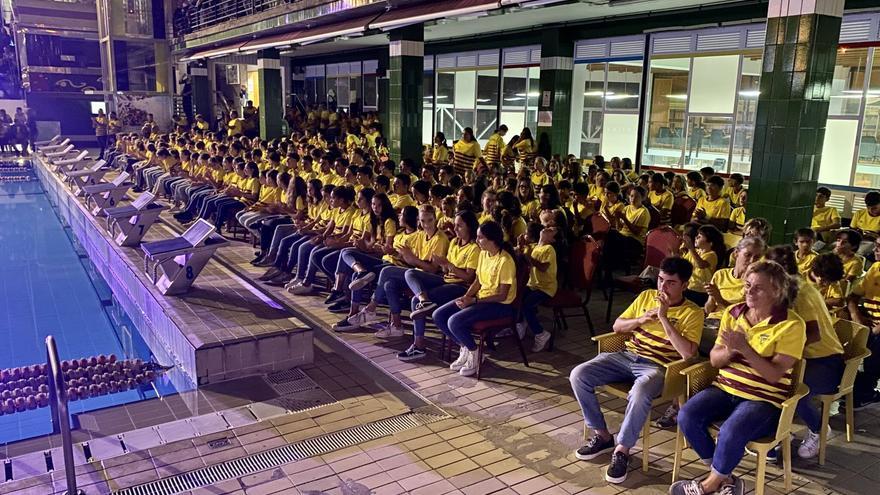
[(616, 472), (860, 403), (423, 310), (257, 259), (594, 448), (334, 296), (411, 354), (669, 418), (341, 306), (343, 325)]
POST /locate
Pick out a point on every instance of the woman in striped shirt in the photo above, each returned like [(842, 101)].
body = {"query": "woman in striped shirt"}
[(759, 342), (465, 152)]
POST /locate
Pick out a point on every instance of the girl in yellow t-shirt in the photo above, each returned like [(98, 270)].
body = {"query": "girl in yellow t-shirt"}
[(489, 297), (703, 247), (542, 284), (248, 190)]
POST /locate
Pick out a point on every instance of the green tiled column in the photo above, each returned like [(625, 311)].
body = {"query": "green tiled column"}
[(200, 91), (799, 56), (269, 90), (406, 54), (554, 100)]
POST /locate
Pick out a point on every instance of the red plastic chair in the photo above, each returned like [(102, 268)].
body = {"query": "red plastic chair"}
[(599, 226), (658, 244), (682, 209), (584, 260)]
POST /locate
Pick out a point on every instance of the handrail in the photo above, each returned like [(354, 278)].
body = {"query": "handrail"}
[(60, 413)]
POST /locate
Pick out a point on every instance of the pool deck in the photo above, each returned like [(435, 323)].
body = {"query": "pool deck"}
[(513, 432)]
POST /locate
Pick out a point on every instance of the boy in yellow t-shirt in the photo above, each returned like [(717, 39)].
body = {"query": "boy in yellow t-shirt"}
[(713, 208), (848, 241), (542, 284), (825, 218), (867, 222)]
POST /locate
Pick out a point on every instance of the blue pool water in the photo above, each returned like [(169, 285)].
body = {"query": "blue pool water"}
[(46, 288)]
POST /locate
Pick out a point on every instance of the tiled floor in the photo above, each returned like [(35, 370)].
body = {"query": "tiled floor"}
[(513, 432)]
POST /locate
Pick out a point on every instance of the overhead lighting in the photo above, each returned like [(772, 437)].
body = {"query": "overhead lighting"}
[(483, 100), (516, 98), (677, 97), (620, 97), (750, 93)]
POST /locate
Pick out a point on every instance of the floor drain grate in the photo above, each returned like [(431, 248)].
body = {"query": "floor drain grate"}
[(285, 376), (270, 459)]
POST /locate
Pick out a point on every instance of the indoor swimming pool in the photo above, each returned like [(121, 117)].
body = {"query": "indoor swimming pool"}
[(48, 286)]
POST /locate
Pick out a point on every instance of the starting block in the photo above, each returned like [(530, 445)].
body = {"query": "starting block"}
[(174, 264), (107, 194), (128, 224), (90, 176), (69, 164)]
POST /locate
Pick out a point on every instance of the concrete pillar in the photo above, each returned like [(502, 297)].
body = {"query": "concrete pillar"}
[(554, 100), (406, 53), (799, 57), (269, 89), (200, 91)]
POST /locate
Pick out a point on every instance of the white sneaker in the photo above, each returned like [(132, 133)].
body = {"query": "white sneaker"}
[(462, 359), (293, 283), (470, 365), (364, 317), (301, 289), (391, 331), (541, 341), (809, 447), (521, 329)]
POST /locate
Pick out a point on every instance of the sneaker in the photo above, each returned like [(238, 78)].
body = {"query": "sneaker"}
[(270, 274), (594, 448), (257, 258), (470, 364), (360, 281), (772, 456), (268, 261), (462, 359), (617, 470), (292, 282), (423, 310), (391, 331), (301, 289), (521, 329), (411, 354), (540, 341), (343, 325), (669, 418), (281, 280), (334, 296), (861, 403), (735, 488), (364, 317), (341, 306), (809, 446), (686, 487)]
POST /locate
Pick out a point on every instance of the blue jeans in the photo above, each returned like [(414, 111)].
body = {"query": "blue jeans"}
[(304, 254), (457, 323), (390, 287), (288, 250), (610, 367), (315, 263), (532, 298), (433, 286), (823, 376), (746, 420), (348, 258)]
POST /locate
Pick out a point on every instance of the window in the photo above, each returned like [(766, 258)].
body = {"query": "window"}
[(868, 160), (848, 83), (668, 83), (624, 81), (371, 92), (746, 108)]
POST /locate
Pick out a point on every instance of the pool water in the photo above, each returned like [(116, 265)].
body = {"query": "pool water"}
[(47, 287)]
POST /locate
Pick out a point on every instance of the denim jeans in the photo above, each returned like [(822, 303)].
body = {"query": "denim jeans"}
[(823, 376), (610, 367), (744, 420), (288, 251), (866, 381), (304, 254), (349, 257), (457, 323), (390, 287), (272, 235), (438, 291), (532, 298)]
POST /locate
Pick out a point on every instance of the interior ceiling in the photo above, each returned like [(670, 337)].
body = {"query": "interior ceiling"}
[(513, 18)]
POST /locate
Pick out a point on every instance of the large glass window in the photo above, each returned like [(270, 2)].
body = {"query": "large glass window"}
[(868, 161), (519, 102), (746, 108), (848, 83), (668, 83)]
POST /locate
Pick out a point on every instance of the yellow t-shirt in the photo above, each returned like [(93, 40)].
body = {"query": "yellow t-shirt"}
[(543, 281), (868, 287), (640, 217), (343, 218), (650, 341), (718, 208), (782, 333), (440, 154), (738, 217), (401, 239), (661, 201), (731, 288), (862, 220), (531, 209), (518, 228), (251, 185), (462, 257), (465, 155), (492, 150), (361, 224), (389, 228), (540, 179), (235, 126), (805, 263), (853, 267), (701, 276), (495, 271), (425, 248), (696, 193), (269, 194), (400, 201), (810, 306), (484, 217), (825, 216)]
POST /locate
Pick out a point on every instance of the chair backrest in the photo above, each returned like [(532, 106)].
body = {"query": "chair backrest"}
[(854, 338), (589, 262), (682, 209), (522, 279), (654, 221), (659, 243), (599, 226)]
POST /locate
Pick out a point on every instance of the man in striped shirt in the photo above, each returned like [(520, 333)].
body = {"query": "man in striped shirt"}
[(664, 327)]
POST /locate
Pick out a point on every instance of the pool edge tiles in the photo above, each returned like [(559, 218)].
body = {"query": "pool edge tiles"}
[(225, 332)]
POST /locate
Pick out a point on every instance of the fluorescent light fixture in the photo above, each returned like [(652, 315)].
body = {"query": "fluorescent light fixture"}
[(517, 98), (440, 17), (483, 100), (751, 93), (620, 97), (594, 93), (677, 97)]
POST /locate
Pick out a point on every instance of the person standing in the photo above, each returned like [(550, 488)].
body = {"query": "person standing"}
[(99, 122), (32, 129)]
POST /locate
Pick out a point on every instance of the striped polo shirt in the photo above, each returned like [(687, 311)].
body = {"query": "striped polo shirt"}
[(650, 341)]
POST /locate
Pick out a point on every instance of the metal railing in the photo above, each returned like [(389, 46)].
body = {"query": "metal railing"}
[(60, 413), (205, 13)]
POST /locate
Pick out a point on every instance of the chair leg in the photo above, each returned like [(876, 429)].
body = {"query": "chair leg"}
[(762, 472), (589, 320), (646, 443), (585, 431), (679, 448), (480, 355), (522, 350), (786, 461), (850, 417), (610, 302), (823, 430)]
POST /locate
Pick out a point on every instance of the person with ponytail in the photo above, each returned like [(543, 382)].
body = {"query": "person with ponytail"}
[(759, 342), (489, 297), (492, 150)]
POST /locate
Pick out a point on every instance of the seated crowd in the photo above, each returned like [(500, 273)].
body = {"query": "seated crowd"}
[(444, 241)]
